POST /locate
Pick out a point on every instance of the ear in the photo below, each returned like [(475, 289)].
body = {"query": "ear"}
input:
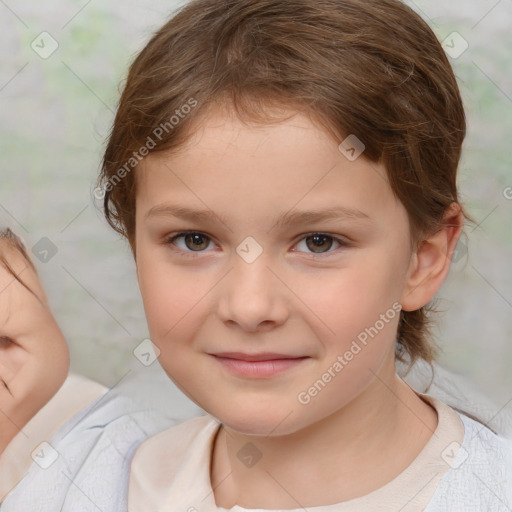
[(431, 261)]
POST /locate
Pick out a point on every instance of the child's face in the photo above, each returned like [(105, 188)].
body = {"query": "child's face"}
[(205, 295), (33, 352)]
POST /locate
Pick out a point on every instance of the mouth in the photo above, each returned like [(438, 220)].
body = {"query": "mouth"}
[(261, 365)]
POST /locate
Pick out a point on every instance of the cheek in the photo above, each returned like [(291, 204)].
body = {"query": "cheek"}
[(362, 317), (359, 309), (171, 296), (348, 300)]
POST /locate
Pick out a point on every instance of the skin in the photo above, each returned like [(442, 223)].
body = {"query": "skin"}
[(34, 357), (366, 426)]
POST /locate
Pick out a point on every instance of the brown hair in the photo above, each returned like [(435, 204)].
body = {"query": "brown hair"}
[(370, 68), (14, 242)]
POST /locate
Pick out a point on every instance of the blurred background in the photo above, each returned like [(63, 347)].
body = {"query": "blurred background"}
[(61, 67)]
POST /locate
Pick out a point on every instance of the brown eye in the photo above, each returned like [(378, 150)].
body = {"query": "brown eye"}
[(320, 243), (193, 241)]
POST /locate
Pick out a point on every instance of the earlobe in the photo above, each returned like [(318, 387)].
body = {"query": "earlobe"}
[(431, 261)]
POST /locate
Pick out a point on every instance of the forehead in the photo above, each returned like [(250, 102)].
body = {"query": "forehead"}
[(221, 130), (251, 168)]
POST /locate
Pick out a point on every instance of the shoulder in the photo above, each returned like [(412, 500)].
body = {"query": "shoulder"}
[(480, 475), (91, 453), (490, 454), (166, 450), (171, 467)]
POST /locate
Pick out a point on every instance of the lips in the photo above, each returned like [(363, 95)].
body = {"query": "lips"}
[(261, 365), (264, 356)]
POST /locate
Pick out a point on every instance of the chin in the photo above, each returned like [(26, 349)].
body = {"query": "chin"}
[(258, 421)]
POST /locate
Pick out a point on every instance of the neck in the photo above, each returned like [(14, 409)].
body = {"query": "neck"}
[(351, 453)]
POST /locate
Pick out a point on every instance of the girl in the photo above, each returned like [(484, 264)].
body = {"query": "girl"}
[(285, 174)]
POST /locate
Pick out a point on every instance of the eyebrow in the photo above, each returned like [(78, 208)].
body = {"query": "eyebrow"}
[(294, 217), (290, 218), (183, 212)]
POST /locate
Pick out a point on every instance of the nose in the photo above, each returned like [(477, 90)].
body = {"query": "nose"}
[(253, 296)]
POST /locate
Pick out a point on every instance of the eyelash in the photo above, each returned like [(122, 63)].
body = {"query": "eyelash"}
[(169, 241)]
